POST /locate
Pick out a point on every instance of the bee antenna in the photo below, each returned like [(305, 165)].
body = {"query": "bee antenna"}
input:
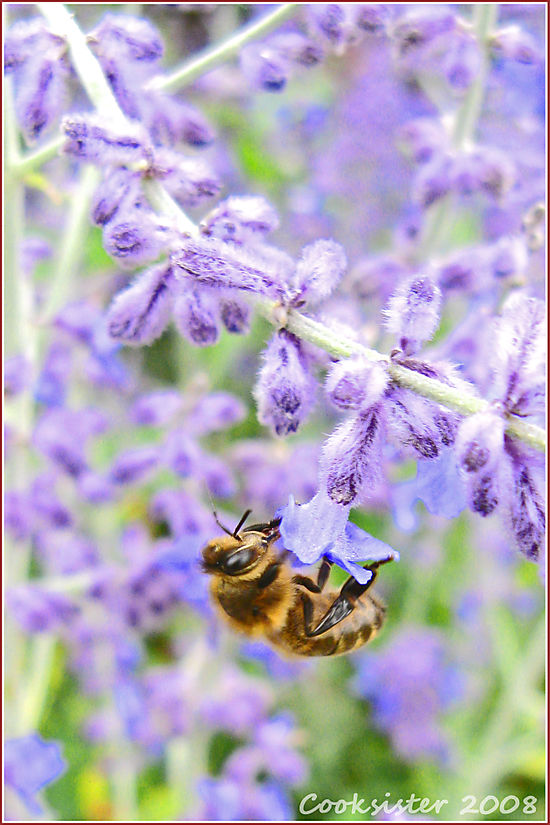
[(218, 522), (244, 517)]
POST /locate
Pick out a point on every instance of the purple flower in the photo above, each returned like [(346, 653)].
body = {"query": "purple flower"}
[(39, 611), (524, 505), (238, 704), (169, 120), (321, 528), (409, 685), (285, 391), (264, 67), (118, 187), (156, 408), (417, 28), (45, 503), (433, 180), (133, 465), (125, 38), (319, 270), (216, 264), (64, 552), (25, 39), (59, 435), (240, 218), (423, 138), (89, 138), (413, 312), (336, 23), (196, 316), (94, 487), (17, 374), (480, 451), (416, 425), (356, 383), (134, 238), (31, 763), (140, 314), (513, 43), (41, 90), (519, 354), (190, 180), (351, 461), (297, 48), (462, 61), (484, 169), (235, 315)]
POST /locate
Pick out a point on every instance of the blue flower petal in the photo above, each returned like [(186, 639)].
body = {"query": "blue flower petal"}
[(321, 528)]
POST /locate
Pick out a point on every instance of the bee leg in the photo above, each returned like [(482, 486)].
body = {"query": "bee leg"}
[(342, 606), (306, 582), (324, 572), (322, 578)]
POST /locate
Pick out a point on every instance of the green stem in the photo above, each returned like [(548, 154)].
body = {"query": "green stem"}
[(84, 62), (456, 399), (72, 246), (34, 687), (466, 117), (33, 160), (214, 56)]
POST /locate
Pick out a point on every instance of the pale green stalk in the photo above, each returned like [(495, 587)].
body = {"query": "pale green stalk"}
[(72, 246), (439, 216), (214, 56)]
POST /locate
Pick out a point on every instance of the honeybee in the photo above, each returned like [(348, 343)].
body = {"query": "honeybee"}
[(258, 593)]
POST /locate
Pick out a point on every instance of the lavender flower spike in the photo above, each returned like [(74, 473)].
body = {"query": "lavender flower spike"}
[(321, 528), (356, 384), (285, 390), (140, 314)]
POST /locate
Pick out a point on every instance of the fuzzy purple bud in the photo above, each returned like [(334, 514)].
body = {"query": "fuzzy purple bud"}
[(91, 139), (524, 505), (40, 95), (484, 169), (519, 354), (512, 43), (239, 218), (264, 67), (190, 180), (25, 39), (119, 186), (413, 312), (479, 449), (433, 180), (351, 462), (196, 316), (216, 264), (319, 270), (133, 238), (140, 313), (216, 411), (235, 315), (356, 384), (297, 48), (127, 39), (133, 465), (285, 391), (156, 408), (423, 138), (461, 61), (418, 27)]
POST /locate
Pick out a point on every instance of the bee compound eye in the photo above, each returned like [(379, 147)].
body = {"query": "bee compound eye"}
[(238, 561)]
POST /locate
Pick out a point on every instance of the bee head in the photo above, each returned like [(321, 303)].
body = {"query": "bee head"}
[(231, 556)]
